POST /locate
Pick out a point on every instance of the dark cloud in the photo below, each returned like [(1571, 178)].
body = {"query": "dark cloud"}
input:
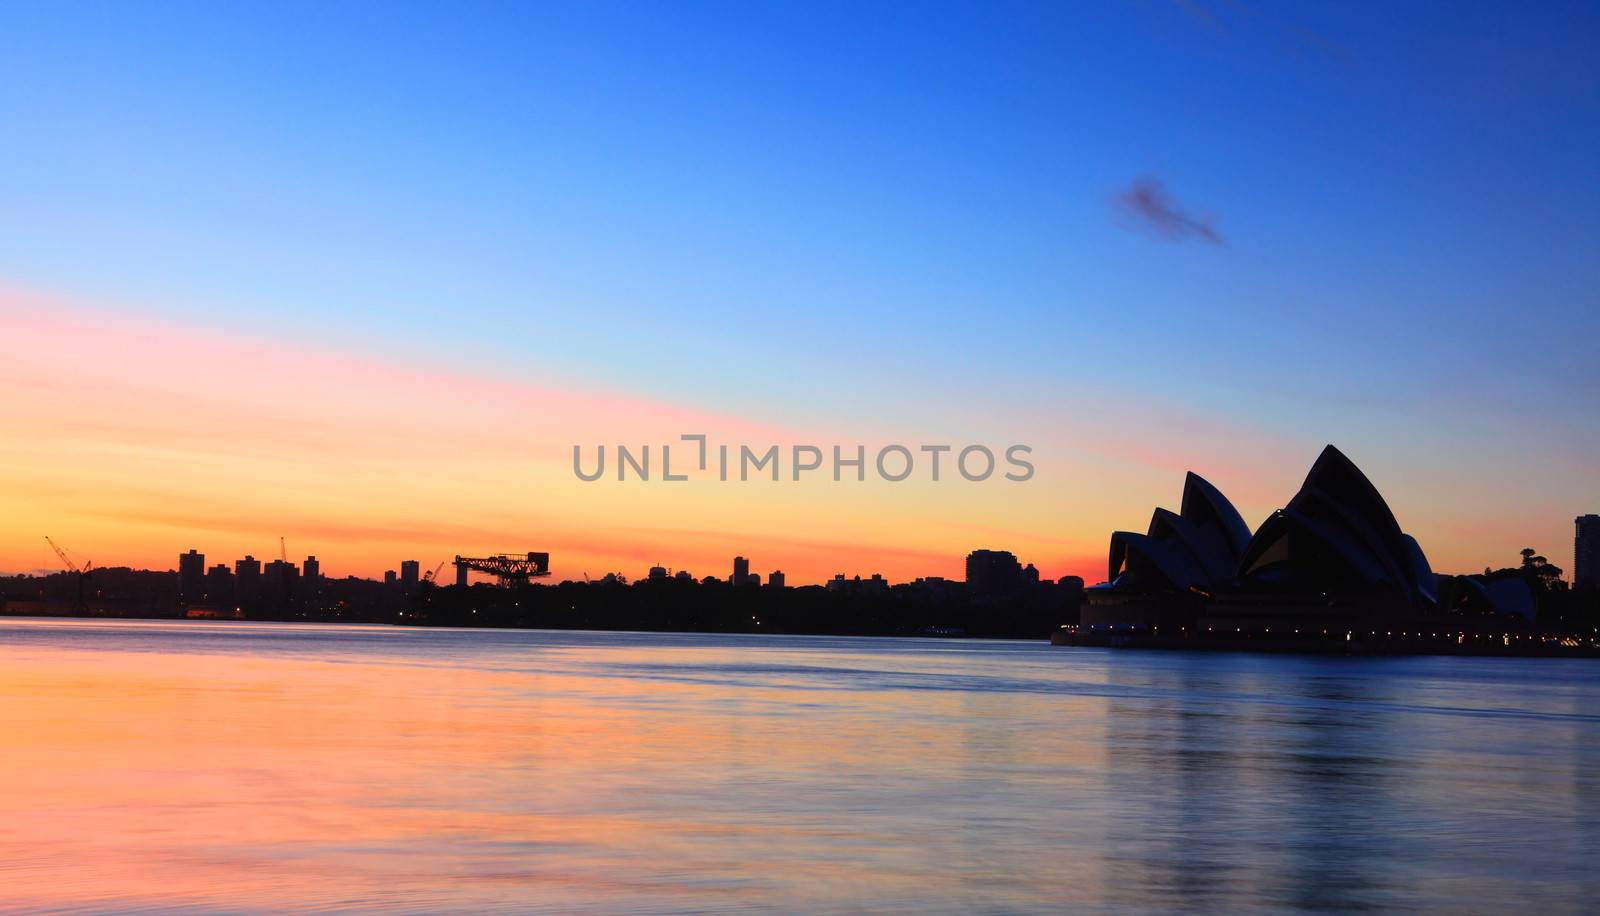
[(1199, 12), (1232, 19), (1147, 202)]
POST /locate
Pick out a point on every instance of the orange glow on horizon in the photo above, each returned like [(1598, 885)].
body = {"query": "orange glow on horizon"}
[(141, 439), (133, 439)]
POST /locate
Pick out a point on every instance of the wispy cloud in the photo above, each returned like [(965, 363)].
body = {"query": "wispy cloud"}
[(1231, 19), (1154, 210)]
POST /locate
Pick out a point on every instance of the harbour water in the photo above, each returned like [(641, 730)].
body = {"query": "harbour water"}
[(213, 767)]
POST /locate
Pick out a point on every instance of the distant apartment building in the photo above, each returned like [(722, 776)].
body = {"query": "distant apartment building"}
[(280, 575), (1586, 552), (857, 585), (219, 583), (409, 573), (741, 571), (388, 577), (775, 579), (247, 576), (192, 575), (311, 570), (994, 573)]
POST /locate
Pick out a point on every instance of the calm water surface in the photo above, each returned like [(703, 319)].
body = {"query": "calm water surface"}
[(216, 767)]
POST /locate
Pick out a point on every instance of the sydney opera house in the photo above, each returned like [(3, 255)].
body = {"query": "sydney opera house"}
[(1332, 565)]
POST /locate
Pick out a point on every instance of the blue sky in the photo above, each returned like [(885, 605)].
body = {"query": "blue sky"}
[(841, 213)]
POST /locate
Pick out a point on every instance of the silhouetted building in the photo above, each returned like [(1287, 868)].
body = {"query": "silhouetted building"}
[(219, 583), (1586, 553), (775, 580), (857, 585), (658, 574), (1507, 596), (247, 577), (388, 577), (932, 587), (281, 575), (1188, 552), (993, 573), (1331, 560), (1338, 535), (311, 570), (741, 571), (191, 576), (410, 572)]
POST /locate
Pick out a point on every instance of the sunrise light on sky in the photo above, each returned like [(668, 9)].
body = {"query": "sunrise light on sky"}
[(364, 287)]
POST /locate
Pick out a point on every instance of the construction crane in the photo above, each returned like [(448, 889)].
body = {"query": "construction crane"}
[(283, 550), (81, 572), (432, 577), (510, 570)]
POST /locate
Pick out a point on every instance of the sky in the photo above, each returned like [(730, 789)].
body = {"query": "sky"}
[(361, 275)]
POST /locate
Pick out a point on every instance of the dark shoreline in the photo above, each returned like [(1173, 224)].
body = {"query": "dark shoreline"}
[(1502, 645), (419, 624), (1505, 645)]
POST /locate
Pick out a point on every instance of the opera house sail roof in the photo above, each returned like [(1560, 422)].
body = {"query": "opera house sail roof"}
[(1192, 549), (1337, 535), (1335, 542)]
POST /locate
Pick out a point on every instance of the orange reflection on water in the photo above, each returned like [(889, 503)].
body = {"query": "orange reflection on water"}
[(228, 767), (246, 767)]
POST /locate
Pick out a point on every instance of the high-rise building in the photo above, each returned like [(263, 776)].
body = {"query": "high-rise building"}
[(1586, 552), (993, 573), (388, 577), (311, 570), (192, 575), (280, 576), (741, 571), (247, 576), (409, 570), (219, 583), (775, 579)]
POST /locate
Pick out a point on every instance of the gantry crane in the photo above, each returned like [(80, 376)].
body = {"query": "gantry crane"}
[(508, 569), (80, 572)]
